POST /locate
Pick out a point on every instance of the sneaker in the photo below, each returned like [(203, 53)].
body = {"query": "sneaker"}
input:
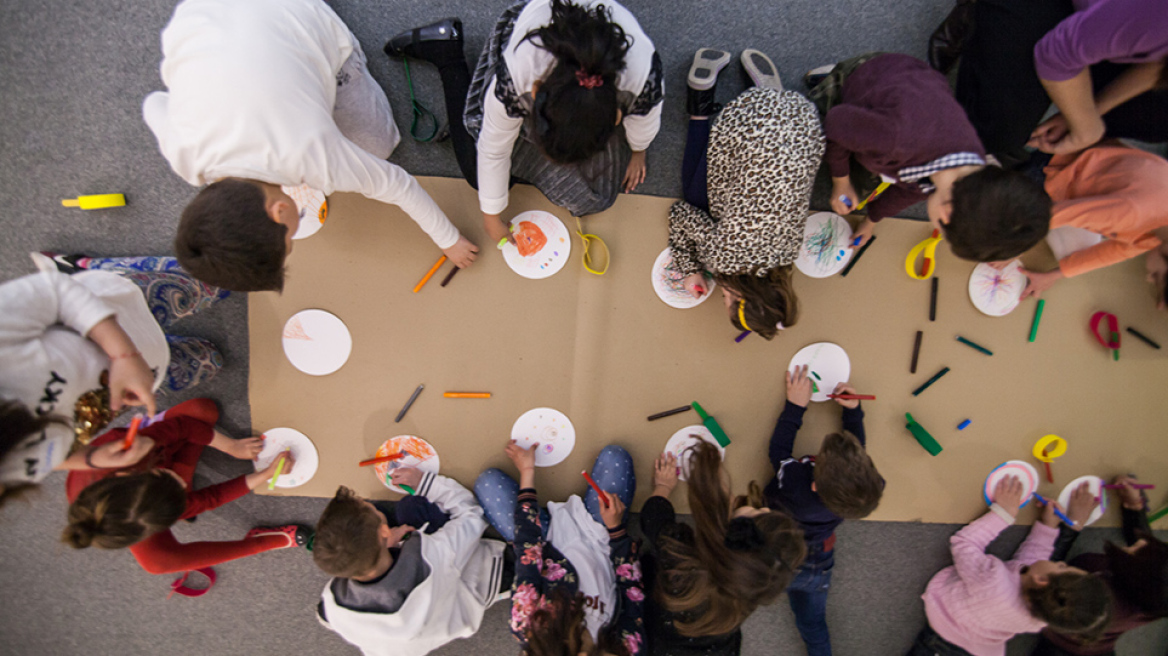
[(298, 536), (707, 63), (408, 43), (949, 39), (64, 263), (761, 69), (813, 77)]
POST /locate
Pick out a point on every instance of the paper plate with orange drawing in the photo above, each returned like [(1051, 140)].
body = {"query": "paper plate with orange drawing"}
[(1095, 487), (279, 440), (418, 453), (995, 292), (542, 245), (551, 429), (828, 365), (826, 246), (682, 442), (669, 283), (317, 342), (1021, 469), (313, 208)]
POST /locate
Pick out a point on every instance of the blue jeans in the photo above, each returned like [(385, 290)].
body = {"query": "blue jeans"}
[(808, 596), (498, 493)]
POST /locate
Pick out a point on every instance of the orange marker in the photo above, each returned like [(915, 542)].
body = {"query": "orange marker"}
[(429, 274), (132, 434), (467, 395), (599, 492), (376, 461)]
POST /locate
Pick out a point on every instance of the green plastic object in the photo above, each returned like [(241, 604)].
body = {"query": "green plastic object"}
[(931, 445), (712, 425)]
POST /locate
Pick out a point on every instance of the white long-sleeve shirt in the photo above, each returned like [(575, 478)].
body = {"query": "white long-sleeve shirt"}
[(528, 63), (251, 90)]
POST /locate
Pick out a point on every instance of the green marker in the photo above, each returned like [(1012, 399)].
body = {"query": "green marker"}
[(1037, 318), (922, 436), (712, 425), (407, 488), (1158, 514), (816, 376)]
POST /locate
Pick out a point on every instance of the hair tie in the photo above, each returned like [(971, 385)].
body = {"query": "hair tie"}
[(742, 313), (589, 81), (743, 535)]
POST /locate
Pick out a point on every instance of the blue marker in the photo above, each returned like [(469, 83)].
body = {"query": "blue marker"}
[(1057, 513), (856, 241), (963, 424), (846, 201)]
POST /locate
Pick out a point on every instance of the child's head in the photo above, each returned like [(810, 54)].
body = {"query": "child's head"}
[(763, 302), (1139, 574), (741, 557), (996, 215), (576, 108), (846, 478), (122, 510), (17, 424), (235, 234), (351, 537), (1068, 599), (557, 629)]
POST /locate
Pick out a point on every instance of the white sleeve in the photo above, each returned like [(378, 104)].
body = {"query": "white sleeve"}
[(462, 532), (154, 113), (640, 130), (31, 304), (351, 168), (496, 141)]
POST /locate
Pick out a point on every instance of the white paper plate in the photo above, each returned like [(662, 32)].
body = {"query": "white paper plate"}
[(552, 429), (681, 442), (828, 365), (419, 454), (1020, 468), (313, 208), (669, 283), (544, 239), (317, 342), (278, 440), (994, 292), (826, 246), (1096, 487)]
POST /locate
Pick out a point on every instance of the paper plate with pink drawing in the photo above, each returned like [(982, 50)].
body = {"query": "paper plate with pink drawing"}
[(317, 342), (1023, 470), (669, 283), (542, 245), (418, 453), (828, 365), (278, 440), (1095, 485), (825, 250), (680, 445), (552, 429), (995, 292), (313, 208)]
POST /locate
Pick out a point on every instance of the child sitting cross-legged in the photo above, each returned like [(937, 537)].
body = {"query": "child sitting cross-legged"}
[(407, 589), (979, 602)]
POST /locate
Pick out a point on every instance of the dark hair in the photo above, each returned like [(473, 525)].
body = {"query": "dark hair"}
[(17, 424), (1072, 602), (770, 300), (996, 215), (226, 238), (713, 587), (1162, 81), (574, 121), (120, 511), (1141, 578), (846, 478), (347, 543)]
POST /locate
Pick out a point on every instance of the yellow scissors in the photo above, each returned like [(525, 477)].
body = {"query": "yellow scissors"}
[(929, 248)]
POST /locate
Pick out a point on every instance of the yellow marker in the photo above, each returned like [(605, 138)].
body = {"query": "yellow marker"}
[(96, 201), (279, 469)]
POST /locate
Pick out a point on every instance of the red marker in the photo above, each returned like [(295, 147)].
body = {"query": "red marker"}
[(599, 492), (374, 461), (132, 434)]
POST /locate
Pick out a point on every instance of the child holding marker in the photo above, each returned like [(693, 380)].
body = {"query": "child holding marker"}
[(820, 491), (407, 589), (977, 604), (135, 506), (578, 573)]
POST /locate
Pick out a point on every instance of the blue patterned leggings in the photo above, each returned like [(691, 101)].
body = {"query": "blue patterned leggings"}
[(172, 295)]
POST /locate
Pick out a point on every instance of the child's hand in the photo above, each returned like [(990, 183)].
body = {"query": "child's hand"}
[(1048, 516), (1008, 494), (111, 455), (863, 232), (613, 514), (411, 476), (844, 388), (246, 449), (524, 459), (398, 533), (665, 471), (1081, 506), (1128, 495), (843, 196), (695, 284), (289, 463), (496, 229), (799, 386), (462, 253)]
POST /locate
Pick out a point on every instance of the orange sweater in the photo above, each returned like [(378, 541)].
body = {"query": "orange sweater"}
[(1118, 192)]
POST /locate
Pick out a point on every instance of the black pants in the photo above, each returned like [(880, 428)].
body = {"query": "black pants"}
[(1000, 90), (928, 643)]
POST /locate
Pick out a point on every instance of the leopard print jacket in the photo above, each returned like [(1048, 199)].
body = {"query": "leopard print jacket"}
[(763, 154)]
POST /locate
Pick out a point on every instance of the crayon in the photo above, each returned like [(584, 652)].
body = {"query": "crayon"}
[(1037, 318), (742, 336), (916, 352), (974, 346), (963, 424), (132, 433), (670, 413), (467, 395), (816, 376), (1144, 338), (933, 301), (429, 274), (449, 276), (406, 407), (599, 492), (856, 258), (930, 381)]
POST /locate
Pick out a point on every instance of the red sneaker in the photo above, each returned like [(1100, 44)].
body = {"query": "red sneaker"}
[(297, 535)]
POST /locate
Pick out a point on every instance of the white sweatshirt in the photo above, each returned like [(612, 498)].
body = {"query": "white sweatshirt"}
[(47, 363), (465, 573), (528, 63), (584, 542), (252, 86)]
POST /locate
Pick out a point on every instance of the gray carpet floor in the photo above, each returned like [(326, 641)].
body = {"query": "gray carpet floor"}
[(73, 76)]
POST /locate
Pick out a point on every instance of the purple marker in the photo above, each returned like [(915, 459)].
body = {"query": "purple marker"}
[(738, 339)]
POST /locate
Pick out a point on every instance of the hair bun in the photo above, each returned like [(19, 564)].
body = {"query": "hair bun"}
[(79, 535)]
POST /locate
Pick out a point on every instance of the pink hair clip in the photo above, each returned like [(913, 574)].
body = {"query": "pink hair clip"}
[(589, 81)]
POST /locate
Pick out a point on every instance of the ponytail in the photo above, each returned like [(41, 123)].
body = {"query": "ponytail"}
[(120, 511)]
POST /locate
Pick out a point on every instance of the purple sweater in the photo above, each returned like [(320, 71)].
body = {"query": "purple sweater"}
[(1122, 31), (896, 112)]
